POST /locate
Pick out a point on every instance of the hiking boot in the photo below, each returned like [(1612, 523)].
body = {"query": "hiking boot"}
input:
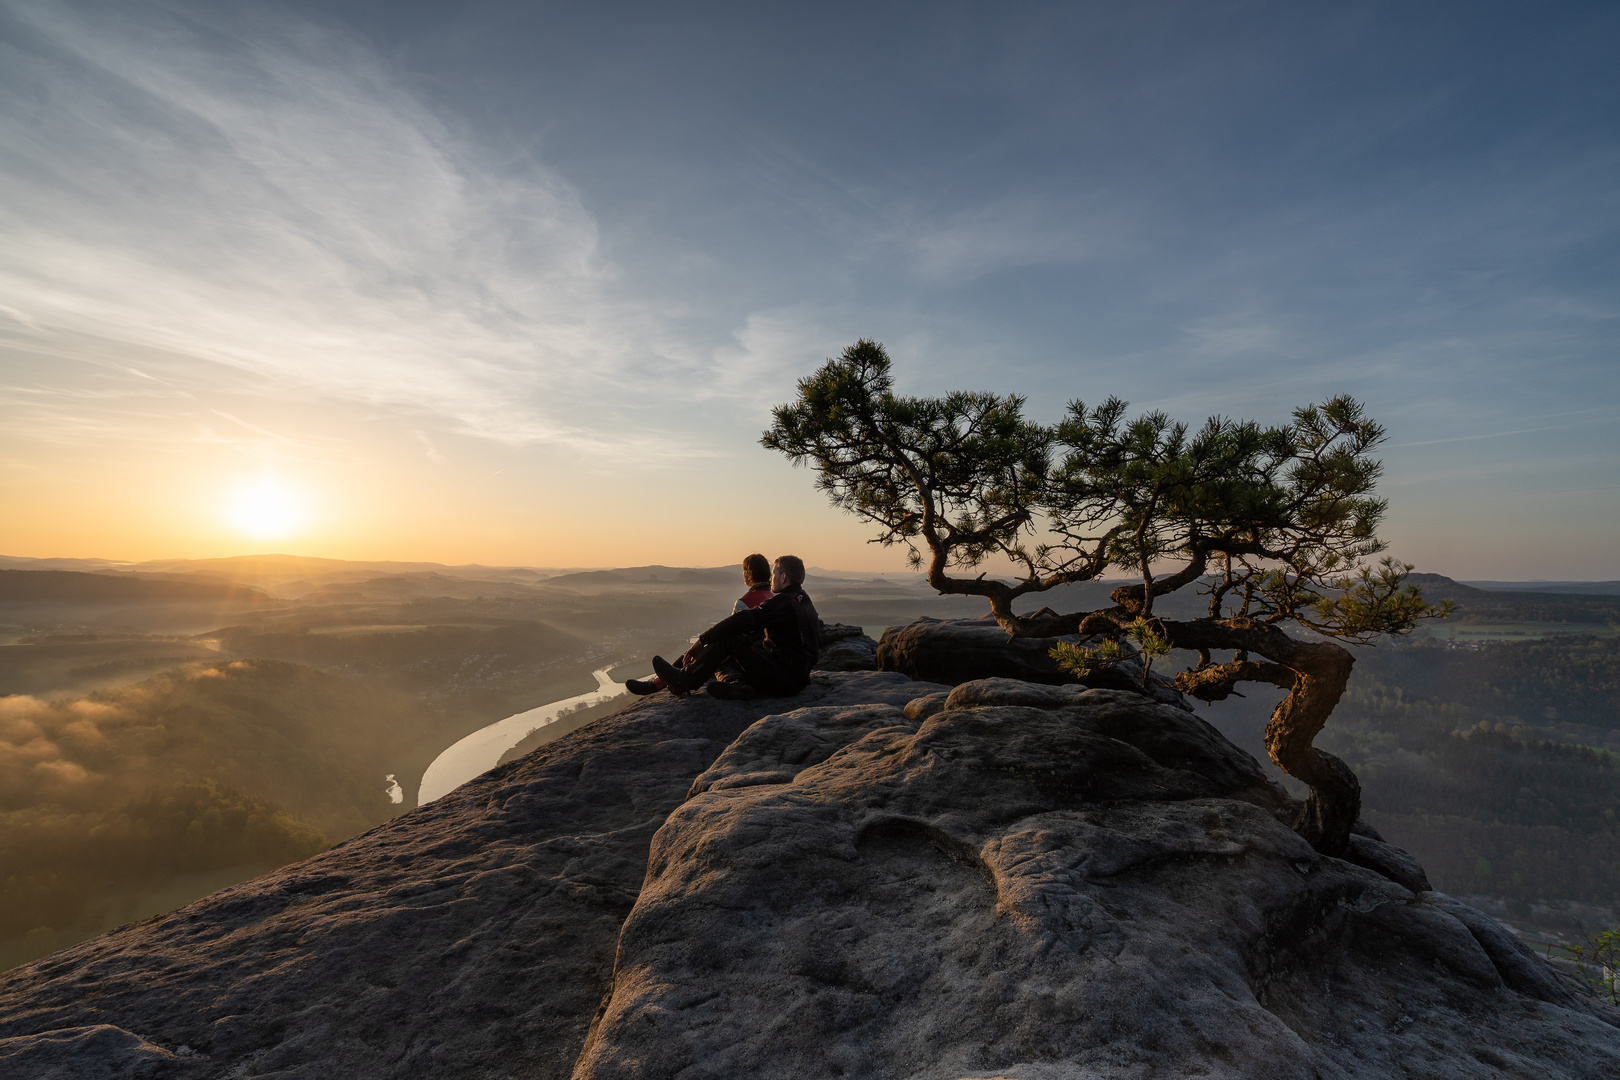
[(643, 687), (674, 678), (732, 691)]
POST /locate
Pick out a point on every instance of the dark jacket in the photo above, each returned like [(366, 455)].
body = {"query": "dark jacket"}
[(791, 628)]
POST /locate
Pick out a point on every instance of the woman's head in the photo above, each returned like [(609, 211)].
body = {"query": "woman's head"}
[(756, 570)]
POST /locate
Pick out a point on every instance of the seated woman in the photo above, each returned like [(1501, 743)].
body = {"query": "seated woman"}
[(757, 576), (777, 666)]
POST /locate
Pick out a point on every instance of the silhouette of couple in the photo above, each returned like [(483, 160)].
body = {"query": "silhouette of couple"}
[(766, 647)]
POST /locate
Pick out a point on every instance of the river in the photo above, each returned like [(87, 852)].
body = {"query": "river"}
[(481, 751)]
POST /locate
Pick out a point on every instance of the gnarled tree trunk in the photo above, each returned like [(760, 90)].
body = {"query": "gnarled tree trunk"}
[(1315, 674)]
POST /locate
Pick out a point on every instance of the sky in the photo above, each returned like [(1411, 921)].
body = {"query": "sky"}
[(518, 283)]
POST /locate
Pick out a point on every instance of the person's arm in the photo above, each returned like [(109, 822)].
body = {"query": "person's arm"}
[(767, 614)]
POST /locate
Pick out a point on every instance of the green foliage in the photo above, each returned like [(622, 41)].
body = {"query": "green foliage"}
[(1420, 757), (1566, 679), (1486, 803), (445, 658), (1598, 962), (245, 764), (1482, 606), (1284, 516), (1373, 602), (1151, 643), (1464, 854), (964, 470), (1276, 523), (56, 862), (316, 743), (1284, 507), (1082, 661)]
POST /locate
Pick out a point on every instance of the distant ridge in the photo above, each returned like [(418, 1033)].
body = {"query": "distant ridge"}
[(17, 586), (1585, 588)]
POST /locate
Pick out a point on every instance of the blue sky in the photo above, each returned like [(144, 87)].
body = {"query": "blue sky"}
[(445, 269)]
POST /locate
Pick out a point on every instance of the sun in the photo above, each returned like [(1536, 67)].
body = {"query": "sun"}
[(267, 509)]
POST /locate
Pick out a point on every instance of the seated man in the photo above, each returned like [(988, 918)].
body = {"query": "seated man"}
[(778, 666), (757, 576)]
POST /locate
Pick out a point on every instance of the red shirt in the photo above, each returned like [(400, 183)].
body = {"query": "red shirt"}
[(752, 598)]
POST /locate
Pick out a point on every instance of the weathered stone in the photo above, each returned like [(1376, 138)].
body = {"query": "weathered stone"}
[(846, 648), (86, 1053), (1000, 879), (1388, 860), (924, 707), (953, 651), (473, 937), (1095, 888)]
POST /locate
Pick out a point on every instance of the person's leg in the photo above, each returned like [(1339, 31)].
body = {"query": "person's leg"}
[(758, 669), (643, 687), (699, 666)]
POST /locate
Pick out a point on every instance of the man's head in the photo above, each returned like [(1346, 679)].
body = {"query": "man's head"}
[(757, 570), (789, 571)]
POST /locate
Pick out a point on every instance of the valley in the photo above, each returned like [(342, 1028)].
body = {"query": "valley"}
[(167, 730)]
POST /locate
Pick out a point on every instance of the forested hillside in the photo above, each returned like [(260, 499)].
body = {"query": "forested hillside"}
[(1492, 605), (244, 763), (1496, 764), (1566, 685)]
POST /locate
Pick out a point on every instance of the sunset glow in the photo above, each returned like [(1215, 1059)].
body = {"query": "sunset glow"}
[(276, 272), (267, 509)]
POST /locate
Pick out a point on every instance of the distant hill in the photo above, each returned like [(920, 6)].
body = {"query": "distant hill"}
[(1589, 588), (709, 575), (589, 577), (18, 562), (1497, 605), (68, 586), (295, 574)]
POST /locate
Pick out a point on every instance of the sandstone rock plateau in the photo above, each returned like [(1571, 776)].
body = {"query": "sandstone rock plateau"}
[(962, 650), (880, 878)]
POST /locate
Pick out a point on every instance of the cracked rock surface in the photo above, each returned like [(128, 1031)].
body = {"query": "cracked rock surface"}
[(878, 878), (1018, 882)]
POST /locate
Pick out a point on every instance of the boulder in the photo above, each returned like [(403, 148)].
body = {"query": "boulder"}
[(472, 937), (846, 648), (953, 651), (1034, 883)]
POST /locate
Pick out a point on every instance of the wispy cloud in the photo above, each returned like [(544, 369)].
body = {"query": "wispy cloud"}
[(262, 195), (772, 351), (1002, 235)]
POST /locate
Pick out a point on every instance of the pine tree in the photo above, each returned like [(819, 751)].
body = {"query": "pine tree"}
[(1276, 525)]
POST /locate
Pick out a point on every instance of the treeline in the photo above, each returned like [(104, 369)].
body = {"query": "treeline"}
[(237, 764), (1523, 862), (1566, 677), (1490, 605), (60, 867), (1485, 803), (314, 743)]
